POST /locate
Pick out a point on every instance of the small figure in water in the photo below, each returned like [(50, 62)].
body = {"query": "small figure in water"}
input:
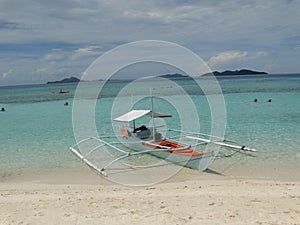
[(66, 103), (255, 100), (3, 109), (270, 100)]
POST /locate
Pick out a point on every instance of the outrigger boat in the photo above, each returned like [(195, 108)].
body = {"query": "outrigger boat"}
[(150, 140)]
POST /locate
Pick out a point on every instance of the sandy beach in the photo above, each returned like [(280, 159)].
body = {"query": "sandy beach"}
[(199, 198)]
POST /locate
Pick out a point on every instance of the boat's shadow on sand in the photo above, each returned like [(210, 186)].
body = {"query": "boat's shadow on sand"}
[(210, 171)]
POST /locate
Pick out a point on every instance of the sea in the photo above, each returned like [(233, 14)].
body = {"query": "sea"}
[(37, 127)]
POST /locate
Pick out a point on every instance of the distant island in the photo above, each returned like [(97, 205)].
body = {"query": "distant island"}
[(174, 76), (236, 72), (66, 80), (216, 73)]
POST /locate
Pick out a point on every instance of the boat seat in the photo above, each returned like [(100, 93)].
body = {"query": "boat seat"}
[(143, 134), (125, 133)]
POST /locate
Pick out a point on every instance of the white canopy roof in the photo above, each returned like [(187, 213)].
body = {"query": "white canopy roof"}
[(134, 114)]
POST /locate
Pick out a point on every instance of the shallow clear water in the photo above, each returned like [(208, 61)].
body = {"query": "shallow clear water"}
[(36, 128)]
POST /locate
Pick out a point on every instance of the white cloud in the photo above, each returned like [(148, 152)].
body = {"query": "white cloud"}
[(236, 59), (54, 56), (225, 57), (7, 74), (297, 47), (260, 54), (41, 70), (86, 51)]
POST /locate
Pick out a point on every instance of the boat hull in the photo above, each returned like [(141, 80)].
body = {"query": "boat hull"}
[(186, 157)]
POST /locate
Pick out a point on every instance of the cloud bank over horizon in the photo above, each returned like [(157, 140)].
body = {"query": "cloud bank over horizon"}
[(50, 40)]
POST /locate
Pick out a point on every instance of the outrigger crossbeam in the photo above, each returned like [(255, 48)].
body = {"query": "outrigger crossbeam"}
[(243, 148)]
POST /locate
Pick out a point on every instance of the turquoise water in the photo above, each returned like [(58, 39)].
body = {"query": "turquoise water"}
[(36, 128)]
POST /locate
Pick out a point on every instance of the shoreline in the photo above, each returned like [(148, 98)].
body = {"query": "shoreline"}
[(226, 170)]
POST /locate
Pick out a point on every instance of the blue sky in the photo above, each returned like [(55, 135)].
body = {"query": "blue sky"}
[(49, 40)]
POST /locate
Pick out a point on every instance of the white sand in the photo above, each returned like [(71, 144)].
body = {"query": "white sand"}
[(188, 198)]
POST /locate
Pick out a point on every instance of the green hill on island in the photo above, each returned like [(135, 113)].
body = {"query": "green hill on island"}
[(66, 80), (236, 72), (217, 73)]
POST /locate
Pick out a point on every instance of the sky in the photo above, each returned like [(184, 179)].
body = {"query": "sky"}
[(43, 40)]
